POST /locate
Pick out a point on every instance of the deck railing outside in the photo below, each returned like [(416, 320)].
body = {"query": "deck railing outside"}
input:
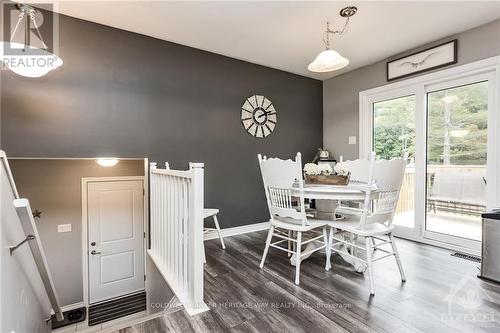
[(406, 201)]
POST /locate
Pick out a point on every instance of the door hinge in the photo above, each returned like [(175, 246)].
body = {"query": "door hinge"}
[(144, 277), (144, 234), (143, 191)]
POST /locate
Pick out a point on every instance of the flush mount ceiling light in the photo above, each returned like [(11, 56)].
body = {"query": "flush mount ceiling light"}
[(107, 161), (330, 60), (25, 59)]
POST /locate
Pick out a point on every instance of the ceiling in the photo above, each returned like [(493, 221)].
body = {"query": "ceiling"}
[(288, 35)]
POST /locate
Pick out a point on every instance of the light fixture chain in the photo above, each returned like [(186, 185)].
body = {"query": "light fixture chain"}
[(328, 31), (19, 19), (326, 36), (32, 17), (339, 32)]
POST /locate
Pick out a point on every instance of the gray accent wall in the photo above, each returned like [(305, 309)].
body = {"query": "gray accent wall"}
[(54, 188), (128, 95), (341, 93)]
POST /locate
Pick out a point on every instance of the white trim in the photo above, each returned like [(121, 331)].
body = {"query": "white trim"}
[(234, 231), (486, 69), (466, 245), (72, 306), (85, 264), (73, 158), (384, 92), (366, 117), (493, 152), (476, 67), (69, 307), (440, 244), (111, 179), (145, 184)]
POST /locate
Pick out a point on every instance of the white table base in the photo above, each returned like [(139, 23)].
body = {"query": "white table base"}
[(326, 201), (358, 266)]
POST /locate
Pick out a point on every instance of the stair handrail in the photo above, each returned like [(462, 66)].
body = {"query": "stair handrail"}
[(5, 162), (28, 225)]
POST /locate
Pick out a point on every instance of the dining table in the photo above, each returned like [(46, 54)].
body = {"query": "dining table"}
[(326, 199)]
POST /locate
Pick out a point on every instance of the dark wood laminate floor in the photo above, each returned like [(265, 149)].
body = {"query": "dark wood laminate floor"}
[(442, 294)]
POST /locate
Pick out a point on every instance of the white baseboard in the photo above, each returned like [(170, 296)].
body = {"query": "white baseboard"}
[(244, 229), (71, 307)]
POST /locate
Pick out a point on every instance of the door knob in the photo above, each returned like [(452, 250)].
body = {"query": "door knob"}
[(94, 252)]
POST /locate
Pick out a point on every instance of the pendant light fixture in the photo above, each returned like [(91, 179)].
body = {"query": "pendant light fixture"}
[(25, 59), (330, 60)]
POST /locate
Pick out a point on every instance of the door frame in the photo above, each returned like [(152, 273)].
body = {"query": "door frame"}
[(419, 86), (85, 247)]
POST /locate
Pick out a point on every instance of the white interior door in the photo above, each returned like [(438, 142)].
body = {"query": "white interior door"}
[(115, 213)]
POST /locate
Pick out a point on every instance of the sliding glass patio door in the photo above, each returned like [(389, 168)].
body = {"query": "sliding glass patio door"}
[(443, 130), (394, 137), (456, 161)]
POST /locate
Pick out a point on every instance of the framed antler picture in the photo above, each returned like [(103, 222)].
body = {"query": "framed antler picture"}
[(435, 57)]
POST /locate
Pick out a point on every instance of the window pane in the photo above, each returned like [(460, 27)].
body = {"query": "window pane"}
[(394, 136), (456, 159)]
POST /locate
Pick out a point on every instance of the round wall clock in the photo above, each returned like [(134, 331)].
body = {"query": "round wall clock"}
[(258, 116)]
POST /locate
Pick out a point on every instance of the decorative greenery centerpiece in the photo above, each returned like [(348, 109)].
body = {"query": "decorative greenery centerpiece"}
[(322, 174)]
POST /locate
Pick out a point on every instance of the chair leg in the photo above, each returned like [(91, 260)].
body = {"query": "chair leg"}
[(268, 241), (216, 222), (398, 259), (369, 253), (294, 244), (204, 255), (297, 266), (289, 243), (327, 248), (350, 247), (354, 240), (330, 246)]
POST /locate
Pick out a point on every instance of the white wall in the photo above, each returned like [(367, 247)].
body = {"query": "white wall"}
[(158, 293)]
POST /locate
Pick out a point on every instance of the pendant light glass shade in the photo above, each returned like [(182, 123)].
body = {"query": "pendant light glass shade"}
[(24, 58), (36, 63), (327, 61)]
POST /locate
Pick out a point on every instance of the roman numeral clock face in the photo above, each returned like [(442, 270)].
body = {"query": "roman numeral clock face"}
[(258, 116)]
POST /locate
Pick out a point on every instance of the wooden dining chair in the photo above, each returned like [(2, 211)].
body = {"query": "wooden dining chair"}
[(381, 181), (212, 212), (208, 212), (288, 223)]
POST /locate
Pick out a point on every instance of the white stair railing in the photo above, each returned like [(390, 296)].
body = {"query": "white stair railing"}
[(176, 213)]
